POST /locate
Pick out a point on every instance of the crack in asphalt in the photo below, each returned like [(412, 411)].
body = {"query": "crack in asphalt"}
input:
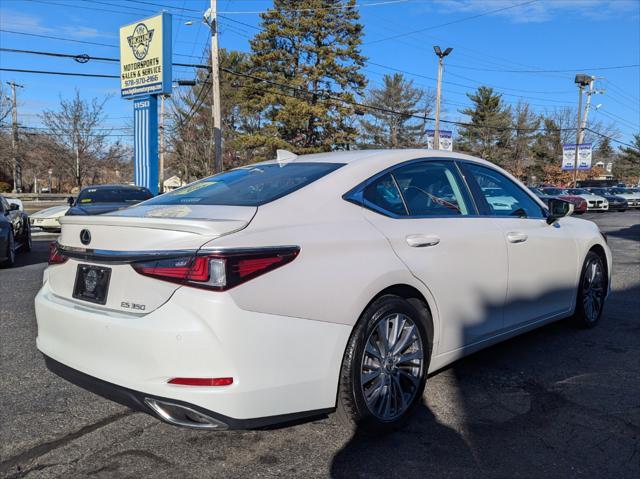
[(42, 449)]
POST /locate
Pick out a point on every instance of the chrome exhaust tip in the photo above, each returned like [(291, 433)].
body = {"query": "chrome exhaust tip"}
[(180, 415)]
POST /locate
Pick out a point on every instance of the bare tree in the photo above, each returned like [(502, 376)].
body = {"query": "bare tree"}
[(78, 127), (5, 104)]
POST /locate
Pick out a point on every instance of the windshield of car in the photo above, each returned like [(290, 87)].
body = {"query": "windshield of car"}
[(537, 192), (598, 191), (578, 191), (248, 186), (553, 191), (113, 195), (619, 191)]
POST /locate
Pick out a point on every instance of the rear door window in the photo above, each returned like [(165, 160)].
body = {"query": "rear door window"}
[(432, 188), (248, 186)]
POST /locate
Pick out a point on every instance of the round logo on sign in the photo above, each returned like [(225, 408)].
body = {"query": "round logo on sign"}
[(140, 41)]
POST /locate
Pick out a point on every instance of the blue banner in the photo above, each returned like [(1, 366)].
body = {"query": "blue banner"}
[(145, 142)]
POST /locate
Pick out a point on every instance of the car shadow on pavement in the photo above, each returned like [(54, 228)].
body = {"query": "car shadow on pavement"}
[(424, 447)]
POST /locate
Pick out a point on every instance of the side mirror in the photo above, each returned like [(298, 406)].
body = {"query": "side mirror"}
[(70, 201), (558, 209)]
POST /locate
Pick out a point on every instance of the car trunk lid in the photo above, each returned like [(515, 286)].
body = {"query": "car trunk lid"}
[(111, 242)]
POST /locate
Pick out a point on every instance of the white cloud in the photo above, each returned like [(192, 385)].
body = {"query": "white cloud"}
[(28, 23), (543, 10)]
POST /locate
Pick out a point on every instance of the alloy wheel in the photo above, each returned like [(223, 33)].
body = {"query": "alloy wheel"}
[(593, 289), (392, 365)]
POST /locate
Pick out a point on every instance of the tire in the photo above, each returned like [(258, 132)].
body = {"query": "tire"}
[(591, 292), (11, 252), (28, 243), (379, 391)]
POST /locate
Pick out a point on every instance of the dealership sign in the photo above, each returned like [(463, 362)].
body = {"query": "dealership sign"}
[(446, 139), (584, 156), (145, 57)]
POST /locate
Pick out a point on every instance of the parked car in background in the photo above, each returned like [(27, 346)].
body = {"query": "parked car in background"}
[(594, 202), (629, 194), (579, 203), (616, 202), (15, 233), (15, 201), (49, 218), (543, 196), (285, 290), (99, 199)]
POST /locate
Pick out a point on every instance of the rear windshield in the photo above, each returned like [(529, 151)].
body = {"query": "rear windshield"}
[(113, 195), (247, 186)]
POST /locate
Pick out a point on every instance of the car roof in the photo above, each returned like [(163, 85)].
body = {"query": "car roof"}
[(114, 185), (354, 156)]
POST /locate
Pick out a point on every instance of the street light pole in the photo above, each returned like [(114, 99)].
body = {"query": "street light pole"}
[(216, 115), (441, 54)]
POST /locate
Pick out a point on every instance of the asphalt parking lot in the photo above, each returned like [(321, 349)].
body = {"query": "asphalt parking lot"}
[(556, 402)]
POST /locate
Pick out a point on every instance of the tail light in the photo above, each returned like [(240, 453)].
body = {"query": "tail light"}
[(55, 257), (218, 271)]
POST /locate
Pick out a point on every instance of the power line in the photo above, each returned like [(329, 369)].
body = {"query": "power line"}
[(570, 70), (322, 95), (610, 138), (83, 58), (320, 9), (48, 72), (51, 37)]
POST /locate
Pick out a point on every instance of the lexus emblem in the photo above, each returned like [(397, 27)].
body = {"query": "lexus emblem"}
[(85, 237)]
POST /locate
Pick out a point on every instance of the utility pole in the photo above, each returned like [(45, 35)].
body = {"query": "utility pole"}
[(17, 164), (161, 168), (591, 91), (441, 54), (216, 115), (581, 80)]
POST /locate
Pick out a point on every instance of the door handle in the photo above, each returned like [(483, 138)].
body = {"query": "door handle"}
[(516, 237), (421, 241)]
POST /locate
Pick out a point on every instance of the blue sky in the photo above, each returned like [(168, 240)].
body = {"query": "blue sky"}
[(560, 37)]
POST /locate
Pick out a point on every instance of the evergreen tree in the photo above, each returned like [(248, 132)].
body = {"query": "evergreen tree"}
[(307, 56), (627, 164), (392, 130), (525, 124), (489, 133)]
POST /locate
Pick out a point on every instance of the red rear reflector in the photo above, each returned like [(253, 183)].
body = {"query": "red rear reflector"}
[(54, 256), (202, 381)]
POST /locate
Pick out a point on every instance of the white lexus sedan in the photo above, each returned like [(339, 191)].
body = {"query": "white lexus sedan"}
[(297, 287)]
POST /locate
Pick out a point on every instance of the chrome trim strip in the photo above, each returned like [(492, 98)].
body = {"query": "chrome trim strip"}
[(124, 257)]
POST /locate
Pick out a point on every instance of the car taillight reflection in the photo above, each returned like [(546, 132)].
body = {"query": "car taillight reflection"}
[(55, 257)]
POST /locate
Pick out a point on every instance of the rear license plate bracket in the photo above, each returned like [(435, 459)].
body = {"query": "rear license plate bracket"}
[(92, 283)]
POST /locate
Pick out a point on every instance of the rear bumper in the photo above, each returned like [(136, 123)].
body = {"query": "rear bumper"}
[(281, 366), (139, 401)]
